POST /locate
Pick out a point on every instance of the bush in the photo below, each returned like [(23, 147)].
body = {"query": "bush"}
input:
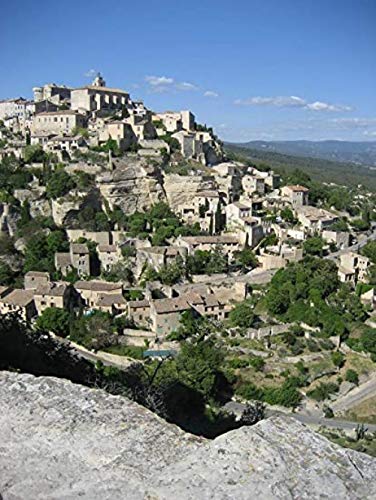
[(248, 390), (352, 376), (54, 320), (323, 391)]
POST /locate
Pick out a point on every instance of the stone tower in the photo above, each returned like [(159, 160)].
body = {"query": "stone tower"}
[(99, 81)]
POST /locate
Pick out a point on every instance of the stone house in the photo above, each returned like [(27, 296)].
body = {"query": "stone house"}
[(176, 120), (205, 209), (227, 243), (139, 312), (52, 294), (78, 258), (296, 195), (67, 144), (165, 314), (108, 255), (315, 219), (253, 184), (19, 301), (112, 303), (276, 257), (119, 131), (91, 291), (353, 267), (35, 279), (340, 238), (158, 257), (60, 122)]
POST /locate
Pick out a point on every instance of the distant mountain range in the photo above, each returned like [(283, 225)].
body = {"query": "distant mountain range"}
[(360, 153)]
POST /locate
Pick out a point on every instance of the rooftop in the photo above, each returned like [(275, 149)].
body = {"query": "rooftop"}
[(197, 240), (98, 285), (164, 306), (110, 299), (297, 188), (79, 248), (19, 297)]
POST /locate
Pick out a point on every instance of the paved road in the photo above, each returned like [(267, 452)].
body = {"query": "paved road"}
[(356, 396), (237, 408), (363, 240)]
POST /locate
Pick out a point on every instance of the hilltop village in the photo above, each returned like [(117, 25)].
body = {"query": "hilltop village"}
[(129, 231)]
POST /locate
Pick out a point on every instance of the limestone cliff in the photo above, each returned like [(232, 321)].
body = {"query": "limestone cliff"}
[(61, 441), (180, 190), (134, 184)]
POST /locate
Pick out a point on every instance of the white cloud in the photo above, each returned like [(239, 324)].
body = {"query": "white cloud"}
[(291, 102), (186, 86), (353, 123), (324, 106), (211, 93), (279, 101), (91, 73), (159, 81), (160, 84), (370, 133)]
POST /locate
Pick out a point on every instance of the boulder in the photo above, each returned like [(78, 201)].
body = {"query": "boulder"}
[(60, 440)]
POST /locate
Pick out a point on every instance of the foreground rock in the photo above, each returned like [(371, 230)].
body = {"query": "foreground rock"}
[(59, 440)]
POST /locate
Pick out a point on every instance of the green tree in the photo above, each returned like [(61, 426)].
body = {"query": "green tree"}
[(314, 246), (242, 315), (59, 184), (54, 320), (199, 366), (369, 250), (6, 274), (352, 376), (246, 258)]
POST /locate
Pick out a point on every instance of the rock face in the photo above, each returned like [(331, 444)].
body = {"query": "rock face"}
[(60, 441), (133, 185), (180, 190)]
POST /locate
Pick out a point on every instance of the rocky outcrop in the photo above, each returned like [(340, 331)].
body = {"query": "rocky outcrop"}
[(133, 184), (66, 209), (59, 440), (180, 190)]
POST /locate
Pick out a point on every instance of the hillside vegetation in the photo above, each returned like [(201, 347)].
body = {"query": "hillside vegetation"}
[(319, 169)]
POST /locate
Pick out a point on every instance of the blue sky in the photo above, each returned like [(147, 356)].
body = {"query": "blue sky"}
[(254, 69)]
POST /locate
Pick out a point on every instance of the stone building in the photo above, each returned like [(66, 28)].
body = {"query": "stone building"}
[(165, 314), (57, 94), (296, 195), (108, 255), (77, 258), (158, 257), (57, 122), (276, 257), (173, 121), (52, 294), (315, 219), (19, 301), (35, 279), (98, 97), (227, 243), (353, 267), (139, 312), (91, 291)]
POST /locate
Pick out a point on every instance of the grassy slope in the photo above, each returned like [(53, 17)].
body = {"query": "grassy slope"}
[(321, 170)]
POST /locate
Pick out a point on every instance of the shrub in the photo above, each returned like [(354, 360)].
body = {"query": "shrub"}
[(352, 376)]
